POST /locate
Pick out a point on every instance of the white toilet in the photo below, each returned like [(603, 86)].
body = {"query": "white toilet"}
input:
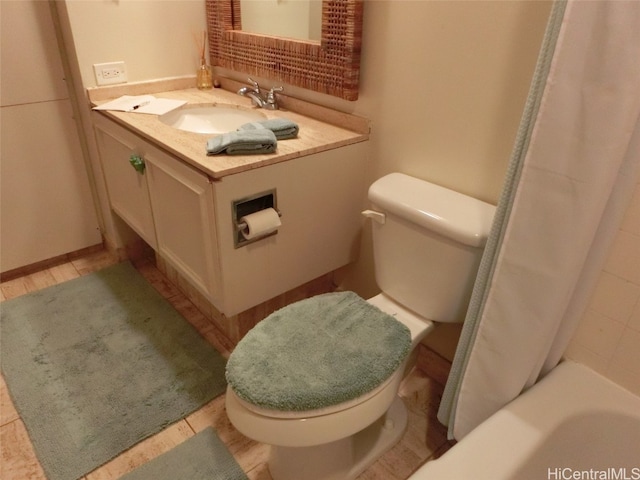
[(427, 246)]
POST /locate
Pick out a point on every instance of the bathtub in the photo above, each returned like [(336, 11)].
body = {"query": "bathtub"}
[(573, 425)]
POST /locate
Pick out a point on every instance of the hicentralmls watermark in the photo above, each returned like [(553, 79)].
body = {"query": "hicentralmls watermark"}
[(560, 473)]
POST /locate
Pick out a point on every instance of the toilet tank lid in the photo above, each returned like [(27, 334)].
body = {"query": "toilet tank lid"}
[(462, 218)]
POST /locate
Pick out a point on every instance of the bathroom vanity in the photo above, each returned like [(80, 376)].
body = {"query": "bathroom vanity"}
[(186, 205)]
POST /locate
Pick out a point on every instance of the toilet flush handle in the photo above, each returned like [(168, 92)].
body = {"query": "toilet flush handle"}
[(378, 217)]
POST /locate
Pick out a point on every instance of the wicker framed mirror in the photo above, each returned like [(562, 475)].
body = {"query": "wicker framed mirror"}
[(331, 66)]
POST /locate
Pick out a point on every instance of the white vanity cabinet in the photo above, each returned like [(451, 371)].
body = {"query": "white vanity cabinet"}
[(320, 197), (169, 204), (190, 219)]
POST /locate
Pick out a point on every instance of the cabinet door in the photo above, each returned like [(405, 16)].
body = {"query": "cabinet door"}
[(127, 187), (183, 210)]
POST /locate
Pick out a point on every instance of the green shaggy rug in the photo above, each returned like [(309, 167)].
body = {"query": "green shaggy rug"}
[(96, 364), (201, 457)]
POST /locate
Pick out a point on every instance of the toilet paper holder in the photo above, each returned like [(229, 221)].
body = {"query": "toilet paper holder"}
[(248, 205), (242, 225)]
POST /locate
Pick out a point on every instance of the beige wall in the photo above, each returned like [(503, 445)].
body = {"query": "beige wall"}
[(46, 207), (608, 337), (444, 83), (155, 38)]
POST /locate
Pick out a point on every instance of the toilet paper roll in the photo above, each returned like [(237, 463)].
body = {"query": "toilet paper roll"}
[(260, 223)]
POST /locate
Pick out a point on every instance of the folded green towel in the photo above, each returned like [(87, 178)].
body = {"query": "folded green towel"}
[(243, 143), (281, 127)]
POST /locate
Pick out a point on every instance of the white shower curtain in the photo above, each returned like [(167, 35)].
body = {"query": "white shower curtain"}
[(576, 161)]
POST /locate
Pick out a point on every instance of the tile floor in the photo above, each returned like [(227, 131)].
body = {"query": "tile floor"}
[(424, 439)]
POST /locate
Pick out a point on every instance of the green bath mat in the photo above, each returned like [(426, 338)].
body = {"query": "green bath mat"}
[(96, 364), (201, 457)]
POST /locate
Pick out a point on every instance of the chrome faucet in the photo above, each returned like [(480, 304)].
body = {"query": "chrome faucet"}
[(258, 97)]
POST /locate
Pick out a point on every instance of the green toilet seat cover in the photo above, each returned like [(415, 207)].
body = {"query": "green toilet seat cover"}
[(317, 353)]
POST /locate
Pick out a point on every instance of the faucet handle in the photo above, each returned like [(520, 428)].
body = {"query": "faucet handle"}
[(271, 96), (272, 102), (256, 87)]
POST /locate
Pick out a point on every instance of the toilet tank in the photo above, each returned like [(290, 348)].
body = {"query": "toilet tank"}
[(427, 248)]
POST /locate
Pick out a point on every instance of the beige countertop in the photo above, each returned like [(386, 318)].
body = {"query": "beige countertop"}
[(314, 135)]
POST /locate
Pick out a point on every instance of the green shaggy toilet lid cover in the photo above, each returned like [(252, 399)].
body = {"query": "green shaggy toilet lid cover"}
[(317, 353)]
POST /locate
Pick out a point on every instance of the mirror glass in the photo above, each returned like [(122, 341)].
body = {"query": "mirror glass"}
[(330, 65), (301, 19)]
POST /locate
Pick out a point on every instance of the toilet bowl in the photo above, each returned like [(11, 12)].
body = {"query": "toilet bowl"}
[(427, 246), (353, 434)]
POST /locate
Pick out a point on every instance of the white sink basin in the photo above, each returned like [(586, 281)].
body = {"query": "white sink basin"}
[(207, 118)]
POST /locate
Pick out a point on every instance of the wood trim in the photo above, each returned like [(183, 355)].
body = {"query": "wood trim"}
[(48, 263)]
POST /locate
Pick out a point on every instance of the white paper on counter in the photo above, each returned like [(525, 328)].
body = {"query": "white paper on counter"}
[(141, 104)]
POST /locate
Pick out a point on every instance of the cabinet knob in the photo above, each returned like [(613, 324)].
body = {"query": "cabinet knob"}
[(137, 162)]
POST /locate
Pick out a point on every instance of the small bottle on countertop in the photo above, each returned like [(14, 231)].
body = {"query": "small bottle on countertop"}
[(204, 77)]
